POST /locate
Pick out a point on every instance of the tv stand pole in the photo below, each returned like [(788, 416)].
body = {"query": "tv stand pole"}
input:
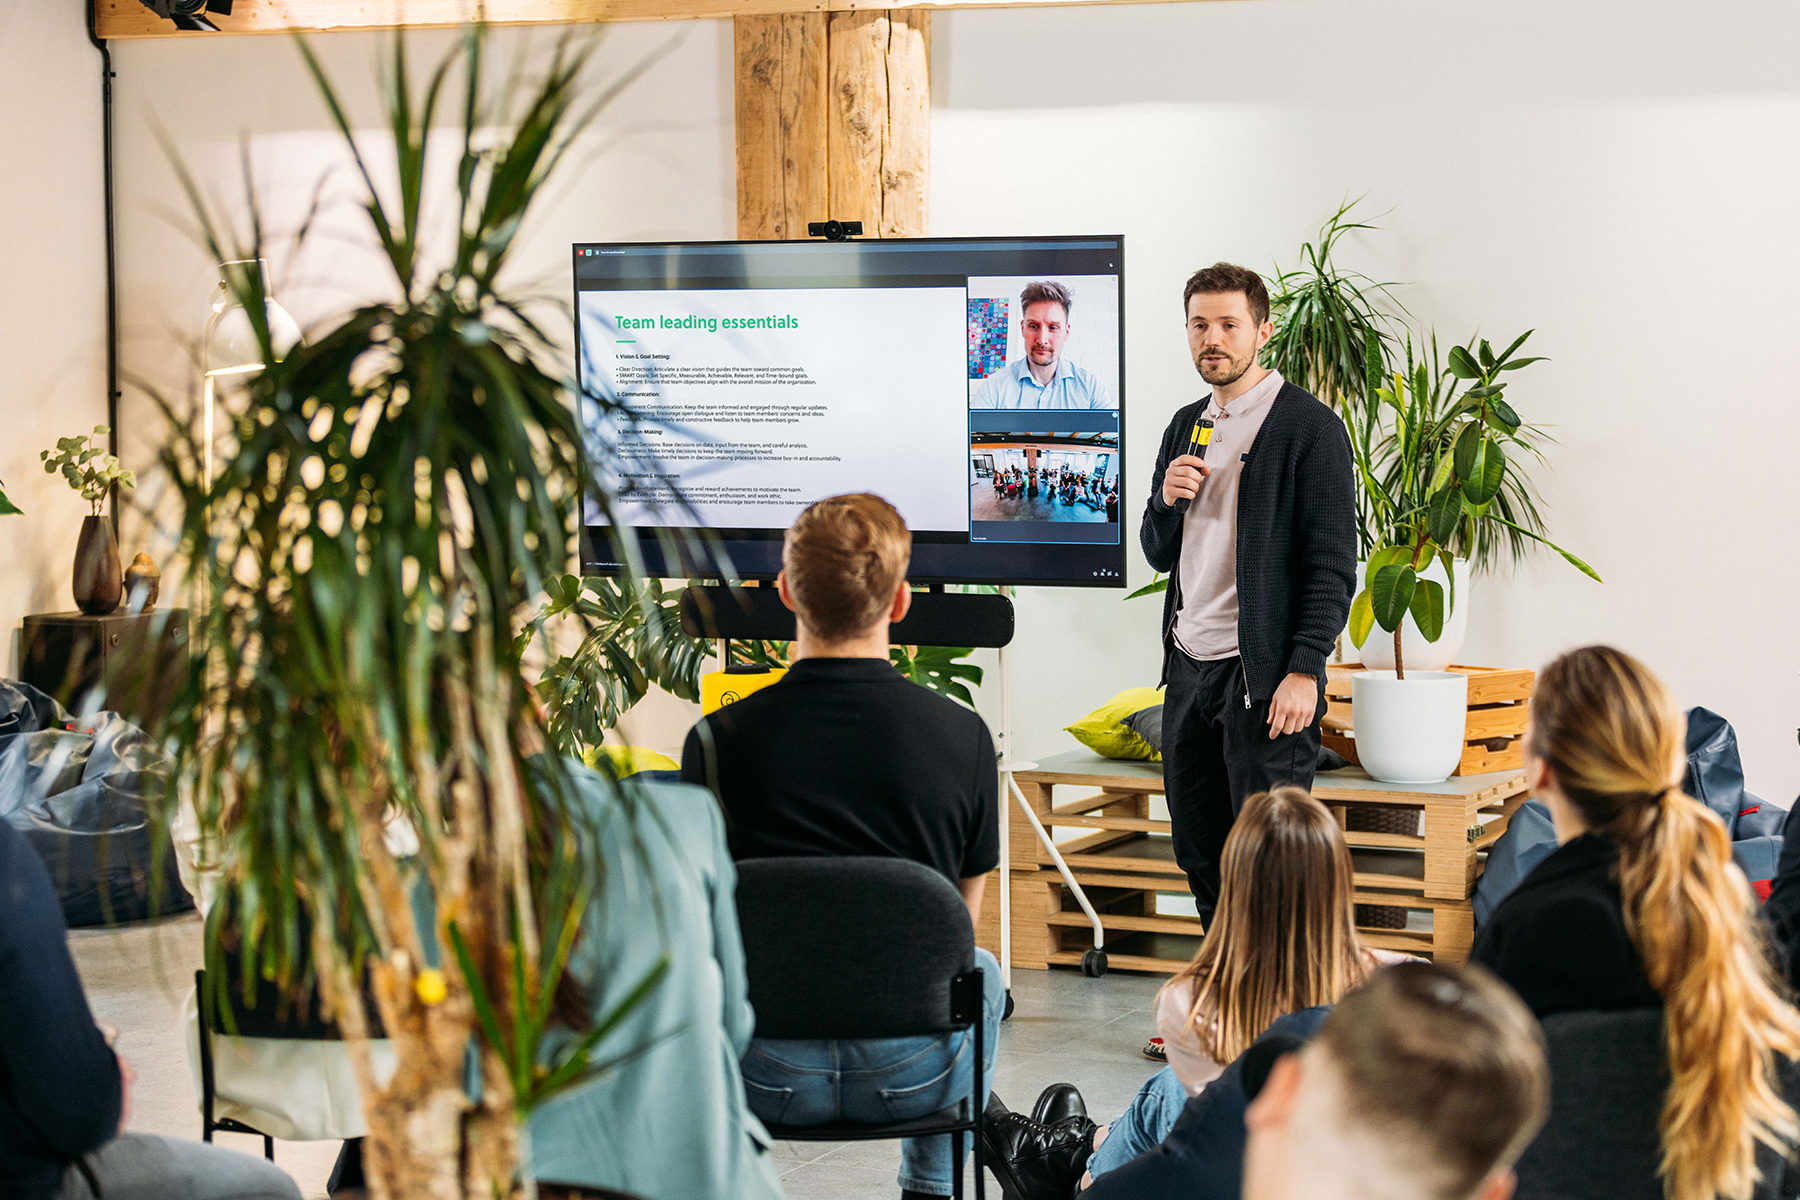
[(1093, 963)]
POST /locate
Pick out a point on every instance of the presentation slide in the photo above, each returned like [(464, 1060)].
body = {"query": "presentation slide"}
[(976, 384), (753, 403)]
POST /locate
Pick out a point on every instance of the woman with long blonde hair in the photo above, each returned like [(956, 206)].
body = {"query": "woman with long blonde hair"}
[(1283, 940), (1641, 906)]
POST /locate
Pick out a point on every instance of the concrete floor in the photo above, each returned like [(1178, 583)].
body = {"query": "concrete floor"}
[(985, 504), (1065, 1027)]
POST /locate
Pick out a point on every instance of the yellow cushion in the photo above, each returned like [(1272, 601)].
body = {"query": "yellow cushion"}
[(1104, 730), (629, 760)]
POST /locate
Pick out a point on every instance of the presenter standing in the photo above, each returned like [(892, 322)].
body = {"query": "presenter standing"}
[(1261, 569)]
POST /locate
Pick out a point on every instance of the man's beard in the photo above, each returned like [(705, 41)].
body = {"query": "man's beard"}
[(1226, 375)]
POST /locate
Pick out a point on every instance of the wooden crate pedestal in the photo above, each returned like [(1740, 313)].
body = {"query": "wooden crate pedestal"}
[(1123, 859)]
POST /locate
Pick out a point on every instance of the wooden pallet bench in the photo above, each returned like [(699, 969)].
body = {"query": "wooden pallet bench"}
[(1123, 859)]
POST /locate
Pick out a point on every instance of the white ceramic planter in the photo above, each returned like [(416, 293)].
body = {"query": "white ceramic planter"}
[(1409, 730), (1378, 652)]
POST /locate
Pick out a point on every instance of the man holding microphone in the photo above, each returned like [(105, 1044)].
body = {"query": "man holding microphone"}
[(1257, 532)]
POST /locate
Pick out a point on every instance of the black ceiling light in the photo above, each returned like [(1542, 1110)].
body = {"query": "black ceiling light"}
[(187, 14)]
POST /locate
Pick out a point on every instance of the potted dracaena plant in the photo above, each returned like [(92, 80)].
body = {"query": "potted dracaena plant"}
[(390, 496), (1432, 462)]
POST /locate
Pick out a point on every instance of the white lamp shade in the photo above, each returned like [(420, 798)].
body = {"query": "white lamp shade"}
[(231, 344)]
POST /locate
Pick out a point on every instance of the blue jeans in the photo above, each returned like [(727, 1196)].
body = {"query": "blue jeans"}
[(1143, 1126), (879, 1080)]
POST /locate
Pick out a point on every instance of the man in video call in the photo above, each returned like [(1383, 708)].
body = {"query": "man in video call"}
[(1261, 567), (1043, 379), (845, 757)]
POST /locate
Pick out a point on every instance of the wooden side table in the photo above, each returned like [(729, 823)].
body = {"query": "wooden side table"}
[(1126, 858), (140, 658)]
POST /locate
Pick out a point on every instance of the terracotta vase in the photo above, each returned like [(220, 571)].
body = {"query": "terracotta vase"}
[(98, 581)]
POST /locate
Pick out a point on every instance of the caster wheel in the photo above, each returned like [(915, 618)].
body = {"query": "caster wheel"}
[(1093, 964), (1006, 1015)]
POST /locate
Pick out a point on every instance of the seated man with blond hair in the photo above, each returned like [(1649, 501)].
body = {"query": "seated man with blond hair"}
[(845, 757), (1425, 1084)]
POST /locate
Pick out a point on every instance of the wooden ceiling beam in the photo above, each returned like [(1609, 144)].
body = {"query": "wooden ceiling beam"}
[(130, 19)]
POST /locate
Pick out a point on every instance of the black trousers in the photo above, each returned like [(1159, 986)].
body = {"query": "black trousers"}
[(1217, 753)]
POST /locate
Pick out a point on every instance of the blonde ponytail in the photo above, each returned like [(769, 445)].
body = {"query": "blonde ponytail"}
[(1611, 732)]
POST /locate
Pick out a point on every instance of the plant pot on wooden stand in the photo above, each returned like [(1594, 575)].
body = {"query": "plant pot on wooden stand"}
[(99, 582)]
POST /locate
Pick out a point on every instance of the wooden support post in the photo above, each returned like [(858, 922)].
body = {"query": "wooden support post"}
[(833, 120), (780, 124)]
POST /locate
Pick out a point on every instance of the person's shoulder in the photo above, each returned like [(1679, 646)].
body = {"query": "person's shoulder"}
[(1305, 409)]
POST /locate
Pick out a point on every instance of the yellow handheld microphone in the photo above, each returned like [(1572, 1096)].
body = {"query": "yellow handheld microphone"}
[(1198, 441)]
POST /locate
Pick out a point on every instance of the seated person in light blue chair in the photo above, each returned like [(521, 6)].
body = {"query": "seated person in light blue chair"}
[(845, 757), (671, 1122)]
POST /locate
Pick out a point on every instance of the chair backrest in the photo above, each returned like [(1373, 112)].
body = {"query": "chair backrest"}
[(852, 947), (1609, 1074)]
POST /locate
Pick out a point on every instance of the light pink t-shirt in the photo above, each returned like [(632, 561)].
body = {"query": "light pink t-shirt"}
[(1193, 1065), (1206, 625)]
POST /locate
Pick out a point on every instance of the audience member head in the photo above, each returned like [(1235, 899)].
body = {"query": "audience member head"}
[(1283, 936), (1606, 751), (844, 569), (1424, 1084)]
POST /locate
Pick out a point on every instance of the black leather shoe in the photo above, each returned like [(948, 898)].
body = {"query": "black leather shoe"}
[(1034, 1161), (1057, 1103)]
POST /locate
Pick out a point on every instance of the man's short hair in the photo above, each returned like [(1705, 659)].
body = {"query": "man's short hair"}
[(845, 557), (1046, 291), (1443, 1070), (1229, 277)]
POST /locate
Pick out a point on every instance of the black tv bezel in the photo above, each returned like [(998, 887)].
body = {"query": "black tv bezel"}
[(648, 534)]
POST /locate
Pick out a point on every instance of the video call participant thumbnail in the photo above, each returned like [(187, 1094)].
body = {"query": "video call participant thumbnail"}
[(1425, 1084), (846, 757), (1043, 379)]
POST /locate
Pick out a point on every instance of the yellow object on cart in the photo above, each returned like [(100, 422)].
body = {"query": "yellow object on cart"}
[(719, 688)]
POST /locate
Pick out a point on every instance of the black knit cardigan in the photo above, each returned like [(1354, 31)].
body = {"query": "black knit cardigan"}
[(1296, 538)]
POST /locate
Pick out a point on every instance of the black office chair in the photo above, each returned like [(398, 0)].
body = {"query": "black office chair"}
[(1609, 1073), (864, 948)]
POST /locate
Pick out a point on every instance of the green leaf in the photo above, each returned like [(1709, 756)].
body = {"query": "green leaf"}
[(1382, 558), (478, 996), (1155, 586), (1444, 513), (1501, 416), (1572, 560), (1517, 342), (938, 668), (1427, 609), (1486, 472), (1390, 592), (8, 508), (1522, 362), (1449, 561), (1463, 364), (1467, 443), (1487, 355), (1362, 618), (1483, 392)]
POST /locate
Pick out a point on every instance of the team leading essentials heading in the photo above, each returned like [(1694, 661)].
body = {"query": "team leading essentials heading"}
[(710, 324)]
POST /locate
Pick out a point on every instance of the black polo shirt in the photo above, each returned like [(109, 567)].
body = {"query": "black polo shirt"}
[(846, 757)]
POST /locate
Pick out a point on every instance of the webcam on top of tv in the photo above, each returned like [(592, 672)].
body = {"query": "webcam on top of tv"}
[(834, 231)]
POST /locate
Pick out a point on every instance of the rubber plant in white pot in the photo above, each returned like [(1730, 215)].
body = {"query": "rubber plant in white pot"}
[(1431, 466)]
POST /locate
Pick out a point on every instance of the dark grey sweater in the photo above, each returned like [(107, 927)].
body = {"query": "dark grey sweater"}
[(1296, 539)]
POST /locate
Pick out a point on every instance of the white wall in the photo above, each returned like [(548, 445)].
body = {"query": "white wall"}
[(52, 304), (1618, 175)]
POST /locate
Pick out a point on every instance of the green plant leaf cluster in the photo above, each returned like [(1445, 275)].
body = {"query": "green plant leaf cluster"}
[(1329, 321), (89, 470), (390, 497), (940, 668), (1432, 461)]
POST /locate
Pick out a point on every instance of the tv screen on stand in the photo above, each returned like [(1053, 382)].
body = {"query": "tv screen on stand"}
[(975, 383)]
